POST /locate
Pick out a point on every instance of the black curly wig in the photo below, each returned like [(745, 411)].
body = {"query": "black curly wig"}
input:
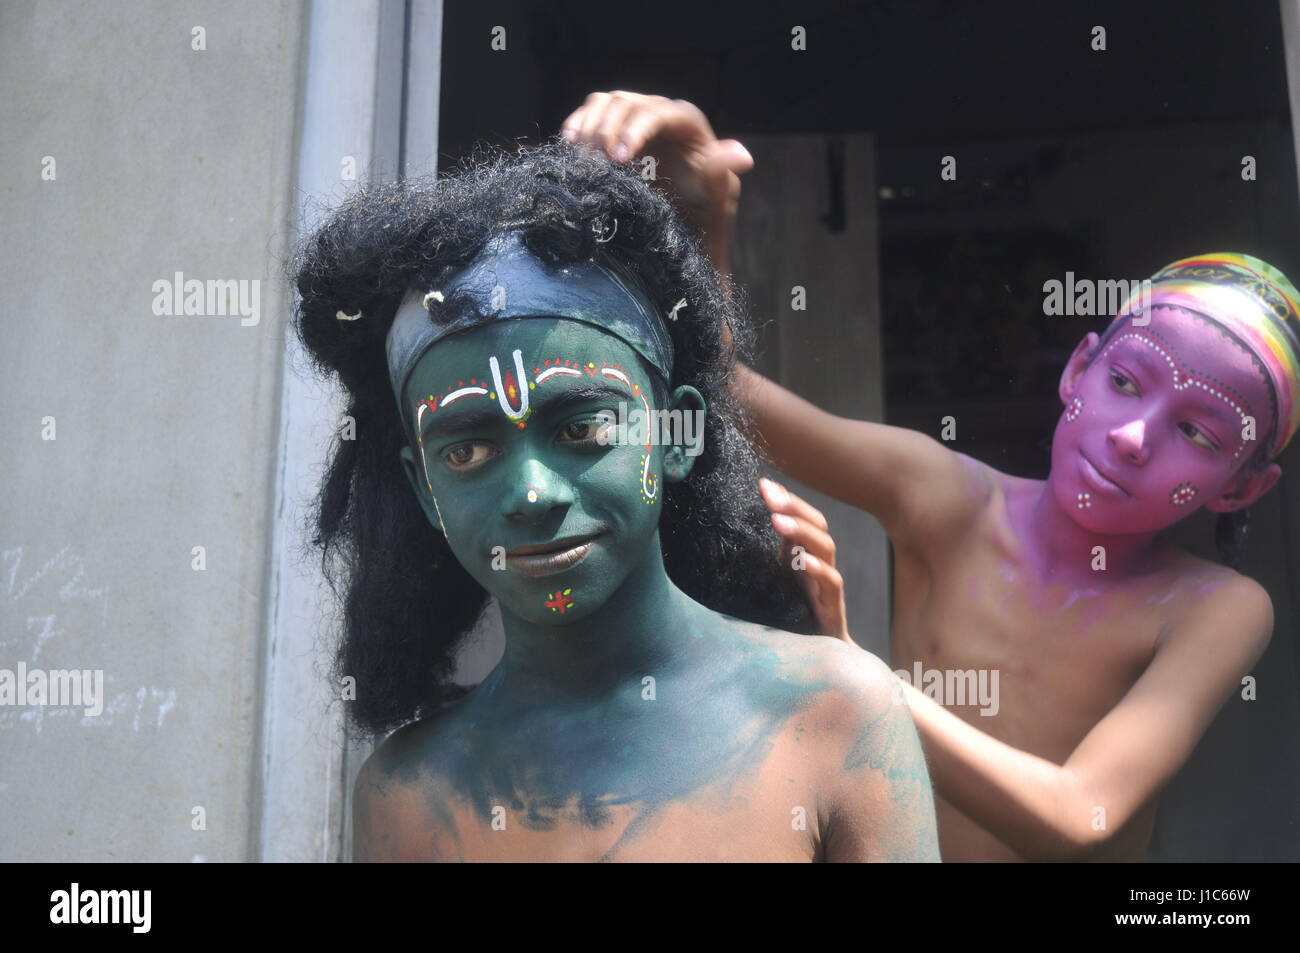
[(406, 602)]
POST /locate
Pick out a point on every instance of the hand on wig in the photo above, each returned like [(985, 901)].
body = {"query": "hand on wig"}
[(699, 171), (695, 166), (809, 551)]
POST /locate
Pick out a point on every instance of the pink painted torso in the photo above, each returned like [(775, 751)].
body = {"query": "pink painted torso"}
[(1066, 651)]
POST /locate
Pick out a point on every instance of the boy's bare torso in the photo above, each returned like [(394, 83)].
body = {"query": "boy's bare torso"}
[(739, 762), (1066, 651), (740, 817)]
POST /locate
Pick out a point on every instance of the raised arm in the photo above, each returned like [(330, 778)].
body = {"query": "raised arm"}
[(698, 170), (914, 485)]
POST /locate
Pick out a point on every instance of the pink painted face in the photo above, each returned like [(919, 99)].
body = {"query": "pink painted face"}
[(1156, 425)]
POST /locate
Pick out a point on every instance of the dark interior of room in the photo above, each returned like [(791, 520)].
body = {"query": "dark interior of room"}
[(1105, 164)]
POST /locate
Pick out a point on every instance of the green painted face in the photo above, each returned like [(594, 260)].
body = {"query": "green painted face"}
[(519, 462)]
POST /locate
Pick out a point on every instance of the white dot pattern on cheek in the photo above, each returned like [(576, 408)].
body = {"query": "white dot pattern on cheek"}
[(1184, 380)]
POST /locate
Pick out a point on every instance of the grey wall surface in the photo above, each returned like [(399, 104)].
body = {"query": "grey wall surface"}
[(160, 467), (166, 159), (829, 353)]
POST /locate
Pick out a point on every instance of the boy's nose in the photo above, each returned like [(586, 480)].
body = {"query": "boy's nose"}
[(534, 491), (1130, 441)]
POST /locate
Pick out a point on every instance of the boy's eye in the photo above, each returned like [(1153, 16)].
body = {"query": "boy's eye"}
[(1122, 383), (1197, 436), (588, 430), (467, 456)]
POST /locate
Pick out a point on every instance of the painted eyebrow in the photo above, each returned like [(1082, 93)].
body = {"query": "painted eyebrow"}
[(578, 393), (1138, 355), (477, 418), (468, 419), (1217, 410)]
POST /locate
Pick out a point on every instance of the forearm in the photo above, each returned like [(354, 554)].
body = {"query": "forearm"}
[(715, 235), (1029, 803), (761, 396), (854, 461), (776, 415), (789, 428), (714, 222)]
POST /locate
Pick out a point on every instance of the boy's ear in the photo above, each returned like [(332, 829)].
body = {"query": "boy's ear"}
[(680, 457), (414, 470), (1076, 365), (1245, 490)]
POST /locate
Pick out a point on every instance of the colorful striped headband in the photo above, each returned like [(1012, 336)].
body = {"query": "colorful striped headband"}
[(1253, 301)]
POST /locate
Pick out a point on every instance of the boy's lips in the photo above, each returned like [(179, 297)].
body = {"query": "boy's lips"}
[(543, 559), (1093, 476)]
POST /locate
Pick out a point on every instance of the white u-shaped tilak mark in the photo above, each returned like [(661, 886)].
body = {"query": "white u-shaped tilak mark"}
[(501, 390)]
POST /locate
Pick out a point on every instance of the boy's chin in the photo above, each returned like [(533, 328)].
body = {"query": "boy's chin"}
[(1106, 517), (540, 613), (1093, 514)]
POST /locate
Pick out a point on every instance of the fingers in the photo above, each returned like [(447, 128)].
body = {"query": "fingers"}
[(800, 532), (608, 131), (781, 500), (640, 127), (805, 520), (808, 548), (621, 123), (824, 587), (618, 123), (735, 156), (590, 116)]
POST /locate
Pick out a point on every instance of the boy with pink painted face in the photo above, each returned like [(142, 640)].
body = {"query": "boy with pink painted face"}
[(1108, 676)]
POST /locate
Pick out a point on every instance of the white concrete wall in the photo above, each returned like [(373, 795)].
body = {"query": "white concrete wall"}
[(166, 159)]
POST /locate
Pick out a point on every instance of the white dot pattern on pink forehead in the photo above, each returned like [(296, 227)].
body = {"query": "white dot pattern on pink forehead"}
[(1182, 379)]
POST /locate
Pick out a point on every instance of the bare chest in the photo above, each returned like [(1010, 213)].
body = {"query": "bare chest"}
[(757, 826), (757, 800), (1033, 663)]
